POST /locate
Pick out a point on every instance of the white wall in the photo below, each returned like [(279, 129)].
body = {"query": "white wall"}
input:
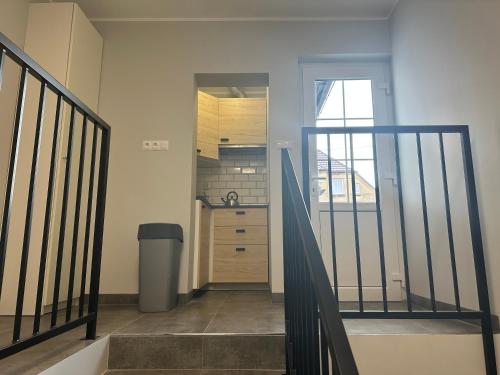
[(446, 71), (147, 92)]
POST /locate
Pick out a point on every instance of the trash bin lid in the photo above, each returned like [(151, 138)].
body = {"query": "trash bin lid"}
[(156, 231)]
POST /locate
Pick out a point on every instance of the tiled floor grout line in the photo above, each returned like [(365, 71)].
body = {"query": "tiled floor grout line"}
[(216, 312), (204, 331)]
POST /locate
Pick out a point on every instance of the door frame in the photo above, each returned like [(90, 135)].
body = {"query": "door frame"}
[(379, 72)]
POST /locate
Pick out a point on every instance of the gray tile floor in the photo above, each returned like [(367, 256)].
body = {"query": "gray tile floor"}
[(216, 312)]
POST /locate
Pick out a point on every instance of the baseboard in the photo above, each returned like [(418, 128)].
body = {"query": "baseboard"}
[(183, 298), (444, 306), (278, 297), (237, 286)]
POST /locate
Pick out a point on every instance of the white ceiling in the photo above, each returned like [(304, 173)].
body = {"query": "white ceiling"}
[(235, 9)]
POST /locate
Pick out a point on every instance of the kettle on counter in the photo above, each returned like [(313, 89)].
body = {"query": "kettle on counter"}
[(231, 199)]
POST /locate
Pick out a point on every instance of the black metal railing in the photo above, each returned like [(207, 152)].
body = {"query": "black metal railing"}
[(53, 222), (400, 144), (316, 338)]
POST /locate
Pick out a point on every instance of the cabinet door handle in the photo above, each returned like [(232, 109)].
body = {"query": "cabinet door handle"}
[(198, 150), (240, 249), (240, 212), (224, 140), (240, 230)]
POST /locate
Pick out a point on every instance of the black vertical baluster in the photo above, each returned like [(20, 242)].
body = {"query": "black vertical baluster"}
[(379, 223), (448, 223), (402, 223), (286, 268), (478, 252), (62, 227), (356, 227), (2, 60), (332, 221), (48, 211), (325, 366), (29, 216), (11, 177), (426, 223), (87, 224), (76, 222), (98, 233)]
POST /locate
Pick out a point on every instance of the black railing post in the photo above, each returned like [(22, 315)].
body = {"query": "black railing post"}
[(47, 217), (11, 177), (76, 220), (29, 215), (95, 272), (478, 252)]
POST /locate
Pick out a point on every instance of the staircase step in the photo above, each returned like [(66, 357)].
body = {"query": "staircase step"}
[(194, 372), (198, 351)]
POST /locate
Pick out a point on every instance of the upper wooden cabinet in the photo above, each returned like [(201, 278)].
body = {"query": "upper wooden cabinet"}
[(64, 42), (208, 126), (243, 121)]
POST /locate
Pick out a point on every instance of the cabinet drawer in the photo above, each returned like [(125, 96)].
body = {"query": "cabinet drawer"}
[(240, 263), (239, 235), (240, 216)]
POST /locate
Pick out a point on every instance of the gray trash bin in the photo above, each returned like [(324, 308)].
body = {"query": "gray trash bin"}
[(159, 261)]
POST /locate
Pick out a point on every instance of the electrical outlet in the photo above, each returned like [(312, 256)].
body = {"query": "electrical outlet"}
[(155, 145), (146, 145)]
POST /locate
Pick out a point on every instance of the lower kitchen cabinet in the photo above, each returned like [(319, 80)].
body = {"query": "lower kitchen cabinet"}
[(240, 263), (240, 245)]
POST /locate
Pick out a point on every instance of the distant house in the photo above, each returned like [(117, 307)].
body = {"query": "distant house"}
[(341, 182)]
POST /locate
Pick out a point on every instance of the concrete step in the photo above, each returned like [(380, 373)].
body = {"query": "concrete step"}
[(207, 352), (195, 372)]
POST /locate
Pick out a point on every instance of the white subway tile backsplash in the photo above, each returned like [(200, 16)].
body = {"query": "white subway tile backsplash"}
[(249, 200), (256, 177), (248, 170), (241, 171), (249, 185), (257, 163), (234, 170), (257, 192), (261, 184), (242, 177)]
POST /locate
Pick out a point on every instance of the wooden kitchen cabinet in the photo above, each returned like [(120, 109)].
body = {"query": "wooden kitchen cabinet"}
[(202, 245), (208, 126), (240, 245), (243, 121)]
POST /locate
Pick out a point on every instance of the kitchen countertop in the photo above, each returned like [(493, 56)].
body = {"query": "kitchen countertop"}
[(221, 205)]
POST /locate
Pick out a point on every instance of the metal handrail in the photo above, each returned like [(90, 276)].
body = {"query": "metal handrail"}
[(95, 204), (329, 315)]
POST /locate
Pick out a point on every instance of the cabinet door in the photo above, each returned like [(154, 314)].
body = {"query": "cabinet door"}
[(243, 120), (208, 126)]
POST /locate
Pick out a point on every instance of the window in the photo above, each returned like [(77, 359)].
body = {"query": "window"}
[(338, 187), (346, 103)]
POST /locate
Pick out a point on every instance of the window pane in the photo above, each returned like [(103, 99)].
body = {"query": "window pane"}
[(359, 123), (329, 123), (363, 146), (365, 178), (339, 187), (337, 147), (358, 99), (329, 100)]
